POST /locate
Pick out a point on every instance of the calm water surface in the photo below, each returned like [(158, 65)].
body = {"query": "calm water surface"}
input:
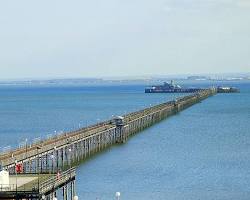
[(201, 153)]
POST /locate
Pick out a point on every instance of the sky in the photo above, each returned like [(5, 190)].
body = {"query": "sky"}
[(103, 38)]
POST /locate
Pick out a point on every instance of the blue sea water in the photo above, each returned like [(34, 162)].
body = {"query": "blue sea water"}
[(200, 153)]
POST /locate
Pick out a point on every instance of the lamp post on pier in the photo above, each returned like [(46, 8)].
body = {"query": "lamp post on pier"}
[(70, 150), (16, 172), (55, 153), (52, 162), (26, 147), (38, 156)]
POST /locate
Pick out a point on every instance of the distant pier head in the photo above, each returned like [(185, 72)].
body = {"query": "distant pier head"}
[(174, 88), (222, 89), (170, 88)]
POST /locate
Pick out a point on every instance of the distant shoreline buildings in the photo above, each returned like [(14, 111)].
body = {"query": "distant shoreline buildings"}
[(124, 80)]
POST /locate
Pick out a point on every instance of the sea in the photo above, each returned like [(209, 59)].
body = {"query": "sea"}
[(201, 153)]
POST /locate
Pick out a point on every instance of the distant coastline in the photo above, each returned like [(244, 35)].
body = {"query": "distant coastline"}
[(125, 81)]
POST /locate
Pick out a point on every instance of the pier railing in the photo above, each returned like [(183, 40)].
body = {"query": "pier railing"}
[(43, 186), (57, 180), (14, 188)]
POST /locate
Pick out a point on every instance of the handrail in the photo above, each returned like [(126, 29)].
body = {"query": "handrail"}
[(56, 180), (43, 186)]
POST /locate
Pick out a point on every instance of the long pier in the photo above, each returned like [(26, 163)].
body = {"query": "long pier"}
[(66, 150)]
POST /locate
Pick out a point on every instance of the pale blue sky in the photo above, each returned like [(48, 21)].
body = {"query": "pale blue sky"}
[(98, 38)]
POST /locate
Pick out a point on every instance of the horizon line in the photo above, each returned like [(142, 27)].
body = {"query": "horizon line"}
[(132, 77)]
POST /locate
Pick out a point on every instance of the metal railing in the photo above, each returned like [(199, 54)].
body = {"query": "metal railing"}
[(57, 180), (51, 183), (14, 188)]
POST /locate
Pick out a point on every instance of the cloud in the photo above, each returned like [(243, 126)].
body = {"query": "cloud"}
[(243, 3), (166, 8)]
